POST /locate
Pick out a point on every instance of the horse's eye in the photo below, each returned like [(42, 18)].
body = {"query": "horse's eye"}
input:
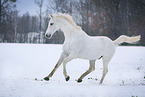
[(51, 23)]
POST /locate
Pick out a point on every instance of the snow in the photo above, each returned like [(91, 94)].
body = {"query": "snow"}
[(22, 66)]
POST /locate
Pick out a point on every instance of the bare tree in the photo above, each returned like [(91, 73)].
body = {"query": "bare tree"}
[(34, 24), (39, 3), (14, 18), (5, 6)]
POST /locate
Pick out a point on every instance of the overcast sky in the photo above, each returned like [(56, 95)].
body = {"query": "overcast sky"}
[(24, 6)]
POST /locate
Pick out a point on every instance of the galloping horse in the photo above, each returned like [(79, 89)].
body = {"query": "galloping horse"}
[(78, 44)]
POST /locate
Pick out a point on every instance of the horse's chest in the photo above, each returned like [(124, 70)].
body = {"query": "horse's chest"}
[(70, 47), (66, 48)]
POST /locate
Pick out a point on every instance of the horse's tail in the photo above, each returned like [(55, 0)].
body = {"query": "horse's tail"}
[(124, 38)]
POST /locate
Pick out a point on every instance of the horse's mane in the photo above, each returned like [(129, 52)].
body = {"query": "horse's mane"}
[(68, 18)]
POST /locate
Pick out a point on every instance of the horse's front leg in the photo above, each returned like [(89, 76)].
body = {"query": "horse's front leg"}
[(66, 60), (62, 57)]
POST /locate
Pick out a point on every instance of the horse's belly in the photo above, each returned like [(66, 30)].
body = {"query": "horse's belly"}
[(91, 53), (90, 57)]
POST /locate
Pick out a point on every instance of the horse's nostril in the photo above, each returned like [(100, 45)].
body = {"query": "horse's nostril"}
[(48, 35)]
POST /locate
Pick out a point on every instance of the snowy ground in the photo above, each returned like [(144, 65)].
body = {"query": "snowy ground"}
[(22, 66)]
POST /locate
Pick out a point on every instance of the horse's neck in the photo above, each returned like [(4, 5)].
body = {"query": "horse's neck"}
[(70, 31)]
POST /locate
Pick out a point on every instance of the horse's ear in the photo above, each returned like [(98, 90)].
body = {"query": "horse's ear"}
[(51, 15)]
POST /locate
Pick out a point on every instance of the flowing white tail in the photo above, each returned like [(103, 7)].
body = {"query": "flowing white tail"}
[(124, 38)]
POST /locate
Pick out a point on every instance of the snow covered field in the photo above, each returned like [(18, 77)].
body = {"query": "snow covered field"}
[(22, 66)]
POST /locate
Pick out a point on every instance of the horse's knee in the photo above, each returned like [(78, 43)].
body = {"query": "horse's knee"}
[(92, 67)]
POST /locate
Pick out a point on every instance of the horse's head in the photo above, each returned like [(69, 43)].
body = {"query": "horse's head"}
[(60, 21), (53, 26)]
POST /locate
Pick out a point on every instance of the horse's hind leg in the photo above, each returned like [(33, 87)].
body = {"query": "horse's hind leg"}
[(62, 57), (105, 68), (91, 68)]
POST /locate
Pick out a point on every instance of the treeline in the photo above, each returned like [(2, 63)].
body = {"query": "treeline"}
[(111, 18)]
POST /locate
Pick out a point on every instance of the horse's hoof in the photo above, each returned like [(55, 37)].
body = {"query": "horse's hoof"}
[(100, 83), (46, 78), (79, 80), (67, 78)]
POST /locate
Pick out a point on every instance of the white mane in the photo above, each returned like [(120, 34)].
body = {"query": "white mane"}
[(68, 18)]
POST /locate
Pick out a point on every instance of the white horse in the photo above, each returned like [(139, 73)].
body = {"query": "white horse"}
[(78, 44)]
